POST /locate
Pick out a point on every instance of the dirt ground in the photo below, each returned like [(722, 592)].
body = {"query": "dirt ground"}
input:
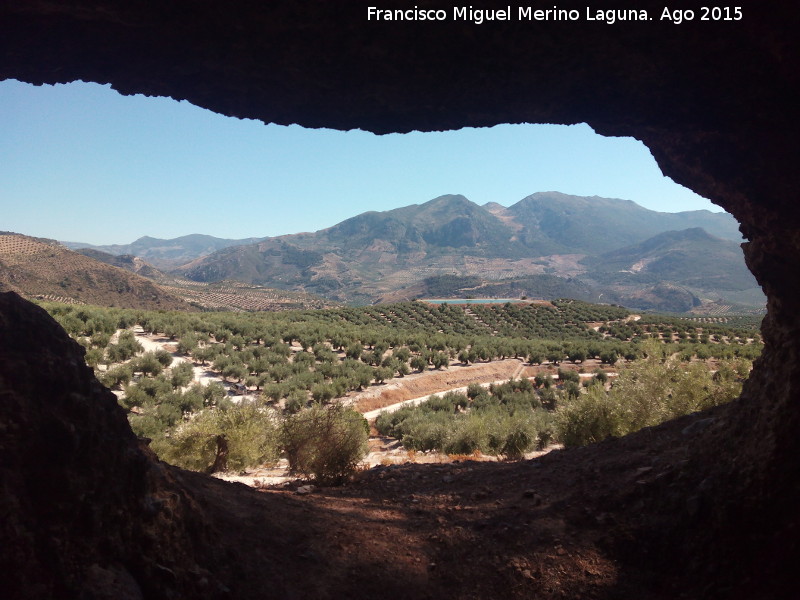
[(401, 389), (557, 526)]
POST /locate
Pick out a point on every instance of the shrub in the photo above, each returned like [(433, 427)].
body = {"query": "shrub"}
[(164, 357), (213, 393), (565, 375), (649, 392), (147, 364), (474, 390), (181, 375), (325, 442), (387, 422), (521, 435), (436, 403), (117, 376)]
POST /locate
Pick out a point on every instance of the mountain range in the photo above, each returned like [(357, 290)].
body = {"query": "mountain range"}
[(547, 244)]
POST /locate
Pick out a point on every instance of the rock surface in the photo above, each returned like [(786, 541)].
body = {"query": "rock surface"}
[(86, 508)]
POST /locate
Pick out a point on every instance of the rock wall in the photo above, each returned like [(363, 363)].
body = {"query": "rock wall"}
[(86, 512)]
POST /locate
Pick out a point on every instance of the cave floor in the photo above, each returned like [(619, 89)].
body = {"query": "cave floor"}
[(568, 524)]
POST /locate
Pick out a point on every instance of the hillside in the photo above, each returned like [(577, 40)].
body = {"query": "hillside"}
[(42, 269), (671, 270), (691, 257), (131, 263), (546, 245), (222, 295)]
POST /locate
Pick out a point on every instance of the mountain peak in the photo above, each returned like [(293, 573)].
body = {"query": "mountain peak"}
[(449, 200), (692, 233)]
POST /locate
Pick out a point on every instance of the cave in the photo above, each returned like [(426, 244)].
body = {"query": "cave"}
[(715, 101)]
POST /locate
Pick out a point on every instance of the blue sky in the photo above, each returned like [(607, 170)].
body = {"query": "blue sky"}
[(80, 162)]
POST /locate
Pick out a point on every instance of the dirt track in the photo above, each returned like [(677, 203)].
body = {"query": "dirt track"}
[(432, 382)]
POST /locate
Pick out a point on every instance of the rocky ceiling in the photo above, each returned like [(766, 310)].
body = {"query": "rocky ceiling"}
[(715, 101)]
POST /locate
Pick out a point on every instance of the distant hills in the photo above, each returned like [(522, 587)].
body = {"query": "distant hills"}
[(675, 268), (44, 269), (555, 223), (546, 245), (129, 262), (166, 254), (690, 257)]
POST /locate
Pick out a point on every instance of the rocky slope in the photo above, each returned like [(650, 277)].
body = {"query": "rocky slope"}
[(87, 510), (129, 262)]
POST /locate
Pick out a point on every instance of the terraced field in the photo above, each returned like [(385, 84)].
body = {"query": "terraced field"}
[(242, 297)]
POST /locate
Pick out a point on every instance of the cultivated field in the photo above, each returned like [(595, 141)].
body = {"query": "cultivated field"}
[(219, 391)]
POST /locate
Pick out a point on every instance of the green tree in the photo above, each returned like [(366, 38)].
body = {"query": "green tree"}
[(234, 438), (164, 357), (117, 376), (419, 363), (325, 442), (181, 375)]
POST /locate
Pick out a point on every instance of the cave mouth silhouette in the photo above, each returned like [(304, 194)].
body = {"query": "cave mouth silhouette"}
[(715, 103)]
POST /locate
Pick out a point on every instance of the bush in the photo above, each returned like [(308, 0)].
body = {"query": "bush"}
[(164, 357), (566, 375), (387, 421), (181, 375), (147, 364), (521, 435), (474, 390), (117, 376), (649, 392), (424, 430), (325, 442)]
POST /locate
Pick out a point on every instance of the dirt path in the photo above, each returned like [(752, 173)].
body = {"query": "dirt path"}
[(424, 384), (373, 414)]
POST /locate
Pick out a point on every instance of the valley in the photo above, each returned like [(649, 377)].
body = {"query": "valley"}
[(410, 349), (548, 245), (514, 314)]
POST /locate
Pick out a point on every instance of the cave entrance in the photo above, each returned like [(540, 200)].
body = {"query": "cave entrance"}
[(173, 164)]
